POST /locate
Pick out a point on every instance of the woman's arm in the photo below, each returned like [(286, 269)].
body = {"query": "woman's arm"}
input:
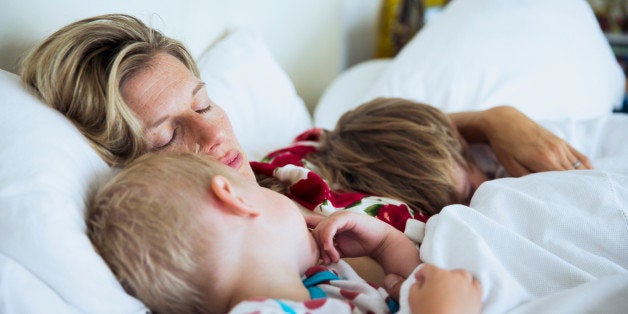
[(521, 145)]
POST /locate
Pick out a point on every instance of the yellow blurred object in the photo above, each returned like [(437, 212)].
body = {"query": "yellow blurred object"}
[(434, 3), (388, 16), (399, 20)]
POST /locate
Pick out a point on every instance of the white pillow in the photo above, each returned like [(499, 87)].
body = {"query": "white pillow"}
[(47, 262), (349, 87), (243, 78), (547, 58)]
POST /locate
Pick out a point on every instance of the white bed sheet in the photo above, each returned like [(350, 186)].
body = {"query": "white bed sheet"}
[(539, 245)]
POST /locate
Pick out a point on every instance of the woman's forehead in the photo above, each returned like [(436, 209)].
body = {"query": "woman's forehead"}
[(156, 92)]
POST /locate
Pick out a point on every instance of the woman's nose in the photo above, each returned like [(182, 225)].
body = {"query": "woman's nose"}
[(204, 136)]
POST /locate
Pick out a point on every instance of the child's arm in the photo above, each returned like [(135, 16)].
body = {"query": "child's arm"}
[(437, 290), (348, 234)]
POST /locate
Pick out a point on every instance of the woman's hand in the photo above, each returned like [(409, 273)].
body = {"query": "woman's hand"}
[(437, 290), (521, 145)]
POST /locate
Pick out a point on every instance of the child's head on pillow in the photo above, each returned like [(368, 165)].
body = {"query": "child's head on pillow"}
[(138, 225), (401, 149)]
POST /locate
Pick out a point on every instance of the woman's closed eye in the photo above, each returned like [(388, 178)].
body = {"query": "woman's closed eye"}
[(176, 131), (164, 146), (204, 110)]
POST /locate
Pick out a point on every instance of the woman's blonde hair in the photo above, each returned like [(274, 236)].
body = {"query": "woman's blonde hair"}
[(79, 71), (396, 148), (144, 222)]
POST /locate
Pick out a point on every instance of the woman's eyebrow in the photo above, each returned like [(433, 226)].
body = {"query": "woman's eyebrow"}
[(158, 122), (198, 87)]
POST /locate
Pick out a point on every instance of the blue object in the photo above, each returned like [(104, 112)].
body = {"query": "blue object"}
[(320, 277)]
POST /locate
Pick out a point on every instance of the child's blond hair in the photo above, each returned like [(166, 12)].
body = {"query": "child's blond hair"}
[(144, 223), (396, 148)]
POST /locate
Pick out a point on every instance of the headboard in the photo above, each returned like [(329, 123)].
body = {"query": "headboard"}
[(305, 38)]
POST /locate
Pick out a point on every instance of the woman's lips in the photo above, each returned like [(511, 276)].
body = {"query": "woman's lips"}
[(232, 159)]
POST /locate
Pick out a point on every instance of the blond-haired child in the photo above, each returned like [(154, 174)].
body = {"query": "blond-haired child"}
[(186, 234)]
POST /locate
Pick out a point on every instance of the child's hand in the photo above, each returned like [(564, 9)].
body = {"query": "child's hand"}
[(442, 291), (348, 234)]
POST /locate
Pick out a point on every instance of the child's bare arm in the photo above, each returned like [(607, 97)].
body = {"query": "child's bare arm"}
[(348, 234)]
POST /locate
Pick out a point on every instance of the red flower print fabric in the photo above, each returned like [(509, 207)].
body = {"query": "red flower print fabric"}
[(310, 190)]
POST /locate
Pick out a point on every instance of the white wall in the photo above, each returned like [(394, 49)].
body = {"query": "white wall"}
[(303, 35), (359, 30)]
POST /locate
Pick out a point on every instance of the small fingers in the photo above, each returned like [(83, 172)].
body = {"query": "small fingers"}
[(426, 270), (328, 253), (327, 249), (429, 270), (324, 232), (313, 220), (477, 284), (468, 277), (464, 274)]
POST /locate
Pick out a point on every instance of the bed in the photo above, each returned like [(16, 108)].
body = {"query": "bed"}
[(555, 241)]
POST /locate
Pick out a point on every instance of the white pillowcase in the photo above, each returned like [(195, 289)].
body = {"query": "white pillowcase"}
[(547, 58), (348, 88), (244, 78), (46, 259)]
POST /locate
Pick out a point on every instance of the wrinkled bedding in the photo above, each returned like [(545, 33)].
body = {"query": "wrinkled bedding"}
[(552, 241), (538, 244)]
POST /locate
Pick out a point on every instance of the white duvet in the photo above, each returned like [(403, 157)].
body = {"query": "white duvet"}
[(548, 242)]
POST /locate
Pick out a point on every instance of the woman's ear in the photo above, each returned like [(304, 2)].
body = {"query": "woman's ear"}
[(226, 194)]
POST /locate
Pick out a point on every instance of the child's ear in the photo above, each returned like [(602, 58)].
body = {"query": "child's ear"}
[(227, 195)]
